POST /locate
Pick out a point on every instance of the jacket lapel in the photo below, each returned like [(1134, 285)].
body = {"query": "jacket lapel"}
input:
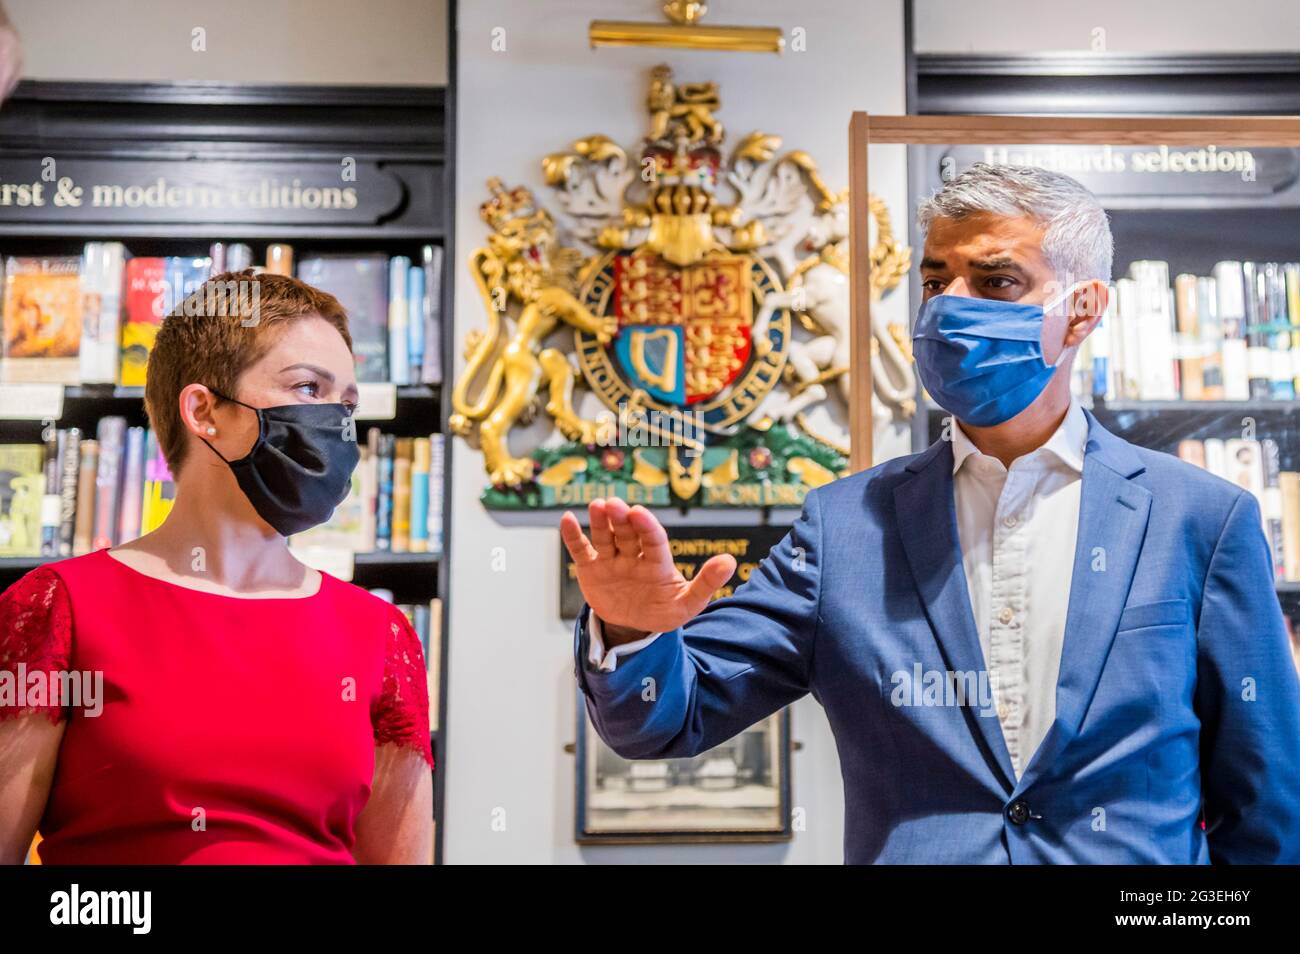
[(927, 524), (1113, 514)]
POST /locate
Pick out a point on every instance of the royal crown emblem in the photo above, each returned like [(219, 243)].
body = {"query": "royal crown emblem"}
[(679, 388)]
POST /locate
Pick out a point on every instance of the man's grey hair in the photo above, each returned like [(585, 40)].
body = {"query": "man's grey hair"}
[(1077, 242)]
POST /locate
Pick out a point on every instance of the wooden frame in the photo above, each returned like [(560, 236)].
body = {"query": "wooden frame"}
[(865, 129)]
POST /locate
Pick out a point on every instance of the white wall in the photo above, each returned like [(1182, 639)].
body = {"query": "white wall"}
[(512, 693), (1122, 26), (396, 42)]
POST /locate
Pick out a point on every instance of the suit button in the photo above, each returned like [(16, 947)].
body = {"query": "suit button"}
[(1018, 813)]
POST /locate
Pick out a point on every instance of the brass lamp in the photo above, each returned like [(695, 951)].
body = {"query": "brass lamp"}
[(684, 31)]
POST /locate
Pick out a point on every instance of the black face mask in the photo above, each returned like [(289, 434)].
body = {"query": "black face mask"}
[(301, 466)]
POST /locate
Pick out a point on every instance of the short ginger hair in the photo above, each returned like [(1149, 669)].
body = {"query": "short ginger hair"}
[(216, 333)]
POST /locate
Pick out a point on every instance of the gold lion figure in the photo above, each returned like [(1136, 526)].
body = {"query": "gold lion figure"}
[(524, 263)]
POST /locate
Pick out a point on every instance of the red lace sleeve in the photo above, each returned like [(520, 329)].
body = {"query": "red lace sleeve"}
[(35, 638), (402, 716)]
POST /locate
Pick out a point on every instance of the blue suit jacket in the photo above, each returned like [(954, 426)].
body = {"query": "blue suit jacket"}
[(1177, 692)]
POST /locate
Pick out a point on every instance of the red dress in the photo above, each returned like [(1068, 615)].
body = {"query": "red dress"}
[(228, 730)]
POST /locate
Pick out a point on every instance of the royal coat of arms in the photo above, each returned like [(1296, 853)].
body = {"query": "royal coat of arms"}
[(701, 332)]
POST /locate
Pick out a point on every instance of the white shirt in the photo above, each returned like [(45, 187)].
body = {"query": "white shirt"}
[(1017, 532)]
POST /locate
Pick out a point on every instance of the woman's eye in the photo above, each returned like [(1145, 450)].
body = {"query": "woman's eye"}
[(312, 388)]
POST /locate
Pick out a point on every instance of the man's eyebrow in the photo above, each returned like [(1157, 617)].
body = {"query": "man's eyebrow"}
[(997, 264), (934, 263)]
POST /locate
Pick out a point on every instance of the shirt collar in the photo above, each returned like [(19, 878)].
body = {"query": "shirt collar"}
[(1067, 441)]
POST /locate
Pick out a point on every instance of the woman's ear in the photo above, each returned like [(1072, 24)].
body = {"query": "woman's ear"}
[(197, 405)]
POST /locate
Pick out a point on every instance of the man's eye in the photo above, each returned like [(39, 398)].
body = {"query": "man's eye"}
[(932, 284), (1000, 281)]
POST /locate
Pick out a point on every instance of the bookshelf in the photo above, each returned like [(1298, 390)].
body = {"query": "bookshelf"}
[(1190, 228), (390, 144)]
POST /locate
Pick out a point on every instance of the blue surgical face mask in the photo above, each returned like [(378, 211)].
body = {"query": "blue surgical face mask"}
[(982, 359)]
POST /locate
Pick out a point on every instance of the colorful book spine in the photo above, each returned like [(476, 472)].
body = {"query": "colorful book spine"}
[(420, 460), (384, 505), (130, 508), (437, 456), (369, 468), (398, 362), (159, 486), (111, 435), (69, 487), (1258, 356), (1271, 504), (416, 303), (1191, 360), (1230, 287), (279, 259), (1211, 339), (1278, 335), (401, 536), (103, 272), (51, 499), (83, 536), (146, 304), (431, 265)]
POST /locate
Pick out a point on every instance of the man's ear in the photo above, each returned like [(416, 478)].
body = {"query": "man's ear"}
[(1087, 305)]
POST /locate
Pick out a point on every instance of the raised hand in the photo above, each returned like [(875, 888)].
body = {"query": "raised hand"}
[(627, 575)]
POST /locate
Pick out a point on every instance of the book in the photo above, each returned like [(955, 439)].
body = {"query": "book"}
[(369, 469), (431, 264), (399, 267), (131, 502), (343, 530), (437, 452), (83, 534), (384, 501), (433, 661), (360, 283), (103, 271), (22, 485), (1271, 504), (279, 259), (154, 288), (401, 535), (420, 461), (146, 296), (41, 320), (159, 486), (416, 303), (70, 457), (51, 499), (111, 436), (1191, 356), (1289, 484)]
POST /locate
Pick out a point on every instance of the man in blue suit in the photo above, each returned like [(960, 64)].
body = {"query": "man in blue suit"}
[(1034, 641)]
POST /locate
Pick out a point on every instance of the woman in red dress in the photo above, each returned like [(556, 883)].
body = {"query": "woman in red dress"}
[(239, 707)]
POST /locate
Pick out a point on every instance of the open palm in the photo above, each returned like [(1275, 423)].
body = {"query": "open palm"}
[(626, 570)]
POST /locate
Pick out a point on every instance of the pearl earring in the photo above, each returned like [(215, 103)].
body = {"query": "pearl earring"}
[(212, 431)]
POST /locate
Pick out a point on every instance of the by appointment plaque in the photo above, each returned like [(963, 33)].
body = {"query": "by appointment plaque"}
[(692, 547)]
